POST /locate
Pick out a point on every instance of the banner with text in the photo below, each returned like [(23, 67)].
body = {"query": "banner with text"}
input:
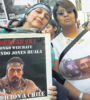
[(25, 66)]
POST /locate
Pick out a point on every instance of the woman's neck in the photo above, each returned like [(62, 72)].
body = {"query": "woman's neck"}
[(71, 32), (26, 25)]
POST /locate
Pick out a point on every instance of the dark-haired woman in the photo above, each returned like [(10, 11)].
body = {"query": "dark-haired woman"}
[(51, 28), (65, 15), (87, 25)]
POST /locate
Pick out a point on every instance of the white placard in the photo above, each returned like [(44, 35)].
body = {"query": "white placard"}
[(73, 1), (85, 5), (34, 50), (24, 2)]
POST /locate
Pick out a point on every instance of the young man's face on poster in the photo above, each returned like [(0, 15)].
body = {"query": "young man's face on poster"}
[(85, 64), (14, 74)]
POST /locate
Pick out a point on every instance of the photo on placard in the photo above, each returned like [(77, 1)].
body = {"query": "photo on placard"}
[(49, 2), (25, 2), (25, 68), (15, 9), (2, 11)]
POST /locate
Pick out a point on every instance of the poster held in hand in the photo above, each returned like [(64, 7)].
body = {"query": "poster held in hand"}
[(25, 66)]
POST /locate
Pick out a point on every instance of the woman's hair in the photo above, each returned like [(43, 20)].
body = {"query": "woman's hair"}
[(65, 4), (38, 5), (86, 23), (54, 24), (10, 23)]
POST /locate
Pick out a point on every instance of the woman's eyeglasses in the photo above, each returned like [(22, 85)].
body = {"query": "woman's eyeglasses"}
[(61, 11)]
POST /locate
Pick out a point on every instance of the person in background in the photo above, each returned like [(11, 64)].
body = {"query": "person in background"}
[(51, 28), (78, 23), (87, 25), (65, 14), (83, 26)]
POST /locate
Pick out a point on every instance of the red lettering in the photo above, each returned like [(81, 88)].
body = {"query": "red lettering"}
[(34, 41), (4, 42), (17, 41), (13, 41), (9, 41), (0, 42), (26, 41), (30, 41), (21, 41)]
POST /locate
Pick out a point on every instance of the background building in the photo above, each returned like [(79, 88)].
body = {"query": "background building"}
[(82, 16)]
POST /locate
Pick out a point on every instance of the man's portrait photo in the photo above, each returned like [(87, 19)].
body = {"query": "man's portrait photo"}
[(24, 70), (84, 67), (13, 82)]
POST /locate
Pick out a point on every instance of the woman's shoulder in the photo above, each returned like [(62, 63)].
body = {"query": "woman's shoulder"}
[(2, 30), (87, 34), (57, 38)]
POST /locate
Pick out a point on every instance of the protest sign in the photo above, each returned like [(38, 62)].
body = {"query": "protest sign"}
[(16, 8), (2, 10), (25, 66)]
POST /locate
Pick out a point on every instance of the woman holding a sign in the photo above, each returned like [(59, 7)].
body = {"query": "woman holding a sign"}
[(35, 19)]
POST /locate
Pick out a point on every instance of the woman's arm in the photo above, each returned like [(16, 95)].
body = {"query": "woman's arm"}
[(62, 91), (56, 65), (74, 92)]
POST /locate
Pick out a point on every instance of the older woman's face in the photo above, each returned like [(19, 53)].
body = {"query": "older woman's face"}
[(38, 18), (65, 17)]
